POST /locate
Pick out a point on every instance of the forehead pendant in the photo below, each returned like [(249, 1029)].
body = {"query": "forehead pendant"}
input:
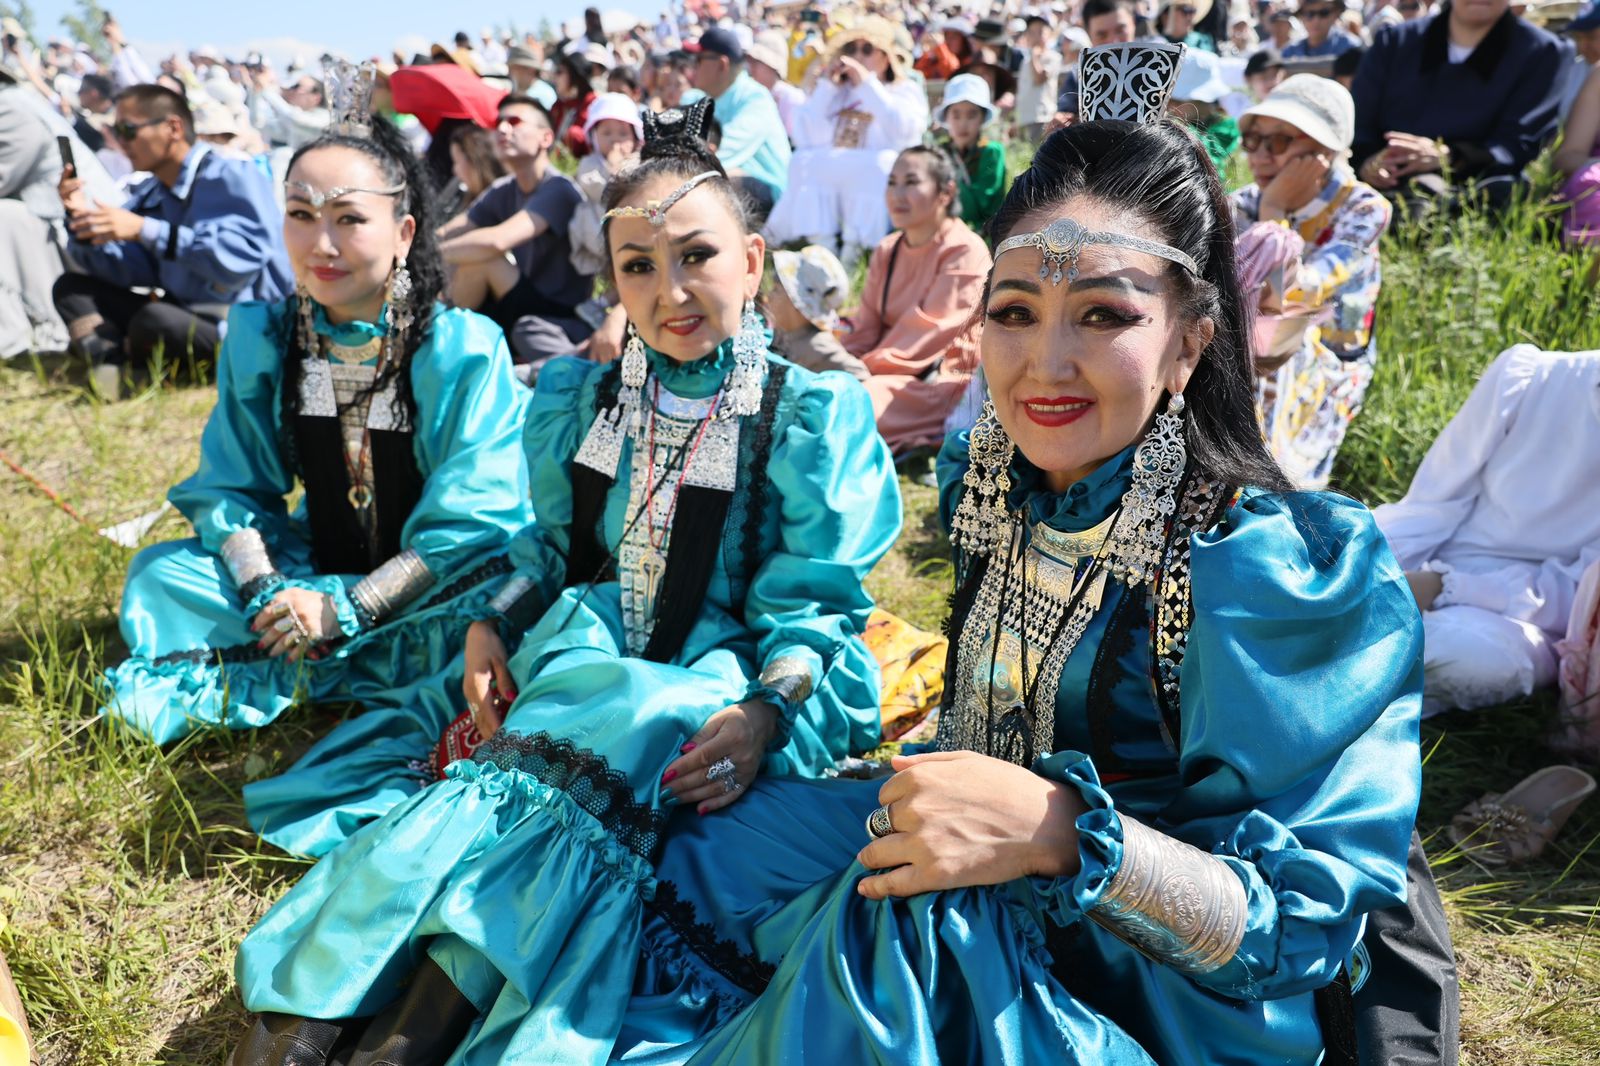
[(1060, 242)]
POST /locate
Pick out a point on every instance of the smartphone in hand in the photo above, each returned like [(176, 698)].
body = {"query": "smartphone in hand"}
[(64, 145)]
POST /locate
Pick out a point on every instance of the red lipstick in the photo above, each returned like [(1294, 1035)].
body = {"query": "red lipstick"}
[(1055, 411)]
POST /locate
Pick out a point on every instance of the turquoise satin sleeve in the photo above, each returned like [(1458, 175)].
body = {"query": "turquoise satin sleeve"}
[(557, 417), (1299, 755), (242, 481), (834, 480), (468, 443), (949, 469)]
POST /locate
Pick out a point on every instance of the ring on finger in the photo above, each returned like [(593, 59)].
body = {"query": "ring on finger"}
[(721, 770), (278, 610), (287, 625), (879, 824), (730, 784)]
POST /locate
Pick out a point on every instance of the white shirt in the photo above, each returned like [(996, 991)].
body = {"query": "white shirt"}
[(129, 68), (1504, 504), (1036, 100)]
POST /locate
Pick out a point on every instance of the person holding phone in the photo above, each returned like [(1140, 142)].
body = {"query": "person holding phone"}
[(202, 233), (1311, 228)]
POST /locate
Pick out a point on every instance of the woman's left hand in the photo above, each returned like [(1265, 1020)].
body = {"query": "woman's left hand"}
[(740, 733), (963, 819), (295, 623)]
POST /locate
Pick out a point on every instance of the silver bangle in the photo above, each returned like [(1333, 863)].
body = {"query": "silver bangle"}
[(245, 555), (1173, 902), (790, 678), (392, 585), (510, 593)]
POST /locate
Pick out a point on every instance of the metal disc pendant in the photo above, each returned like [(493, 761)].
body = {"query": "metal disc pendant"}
[(360, 497)]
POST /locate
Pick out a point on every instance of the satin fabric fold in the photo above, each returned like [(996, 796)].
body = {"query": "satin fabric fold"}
[(193, 661)]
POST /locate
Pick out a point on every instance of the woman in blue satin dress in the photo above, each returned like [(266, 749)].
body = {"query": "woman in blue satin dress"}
[(403, 422), (1176, 768)]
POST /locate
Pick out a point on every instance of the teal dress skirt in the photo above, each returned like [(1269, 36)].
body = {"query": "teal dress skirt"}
[(194, 662), (1295, 763)]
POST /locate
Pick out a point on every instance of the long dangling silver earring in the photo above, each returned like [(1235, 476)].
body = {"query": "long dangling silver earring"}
[(982, 523), (397, 312), (750, 358), (306, 324), (1134, 553), (635, 367)]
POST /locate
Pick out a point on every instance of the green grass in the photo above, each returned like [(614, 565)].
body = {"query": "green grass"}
[(130, 876)]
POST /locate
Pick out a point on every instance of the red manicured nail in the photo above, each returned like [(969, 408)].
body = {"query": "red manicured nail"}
[(688, 747), (700, 810), (668, 776), (512, 695)]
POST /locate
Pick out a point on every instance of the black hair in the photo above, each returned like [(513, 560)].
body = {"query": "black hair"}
[(387, 148), (625, 74), (679, 156), (579, 71), (943, 169), (523, 100), (1096, 8), (157, 102), (1161, 174), (98, 82), (713, 134)]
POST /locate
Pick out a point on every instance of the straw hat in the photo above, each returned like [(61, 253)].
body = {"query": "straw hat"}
[(873, 29)]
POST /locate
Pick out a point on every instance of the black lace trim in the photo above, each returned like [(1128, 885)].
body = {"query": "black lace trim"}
[(748, 509), (500, 564), (257, 585), (237, 653), (584, 776), (745, 971)]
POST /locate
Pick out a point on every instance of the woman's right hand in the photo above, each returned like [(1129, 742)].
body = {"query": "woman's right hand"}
[(1296, 185), (487, 685)]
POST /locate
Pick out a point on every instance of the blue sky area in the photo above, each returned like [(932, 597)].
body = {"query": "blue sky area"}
[(357, 28)]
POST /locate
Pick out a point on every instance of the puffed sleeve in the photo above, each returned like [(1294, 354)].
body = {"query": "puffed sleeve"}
[(242, 480), (834, 483), (557, 417), (470, 413), (1299, 758)]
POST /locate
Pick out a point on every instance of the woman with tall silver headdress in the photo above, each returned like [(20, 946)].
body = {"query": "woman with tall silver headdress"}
[(685, 622), (1175, 773), (402, 421)]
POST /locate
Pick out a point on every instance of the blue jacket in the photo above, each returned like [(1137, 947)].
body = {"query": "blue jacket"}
[(215, 237), (1496, 110)]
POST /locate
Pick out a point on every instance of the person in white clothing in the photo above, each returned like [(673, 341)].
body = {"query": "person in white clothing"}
[(862, 111), (1500, 523), (1036, 82)]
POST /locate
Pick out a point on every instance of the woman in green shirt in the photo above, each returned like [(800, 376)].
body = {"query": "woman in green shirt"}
[(981, 176)]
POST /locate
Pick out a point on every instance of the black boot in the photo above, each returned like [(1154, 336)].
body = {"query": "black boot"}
[(285, 1040), (422, 1028)]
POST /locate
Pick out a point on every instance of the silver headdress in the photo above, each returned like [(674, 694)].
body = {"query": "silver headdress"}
[(1131, 82), (348, 89)]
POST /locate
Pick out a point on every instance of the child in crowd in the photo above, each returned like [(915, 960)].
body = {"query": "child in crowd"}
[(614, 132), (981, 169), (803, 305)]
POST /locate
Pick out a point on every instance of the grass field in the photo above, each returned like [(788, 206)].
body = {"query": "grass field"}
[(129, 876)]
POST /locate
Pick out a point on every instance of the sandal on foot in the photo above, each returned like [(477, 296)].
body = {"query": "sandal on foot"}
[(1507, 828)]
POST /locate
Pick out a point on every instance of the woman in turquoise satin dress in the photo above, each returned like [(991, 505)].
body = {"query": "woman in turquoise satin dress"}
[(1176, 768), (403, 422)]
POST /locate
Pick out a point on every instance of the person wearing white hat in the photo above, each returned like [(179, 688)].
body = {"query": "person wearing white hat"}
[(803, 305), (766, 60), (1319, 226), (964, 111), (1197, 101), (1178, 19), (614, 132)]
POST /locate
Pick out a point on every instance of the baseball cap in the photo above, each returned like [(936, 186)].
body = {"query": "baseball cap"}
[(1262, 61), (718, 41)]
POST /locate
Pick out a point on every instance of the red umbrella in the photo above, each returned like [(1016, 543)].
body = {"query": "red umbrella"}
[(444, 90)]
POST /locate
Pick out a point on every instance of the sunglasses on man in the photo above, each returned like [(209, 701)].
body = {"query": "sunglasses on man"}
[(125, 131), (1316, 13)]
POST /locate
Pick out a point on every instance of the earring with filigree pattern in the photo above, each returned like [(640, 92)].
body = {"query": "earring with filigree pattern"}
[(982, 522)]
